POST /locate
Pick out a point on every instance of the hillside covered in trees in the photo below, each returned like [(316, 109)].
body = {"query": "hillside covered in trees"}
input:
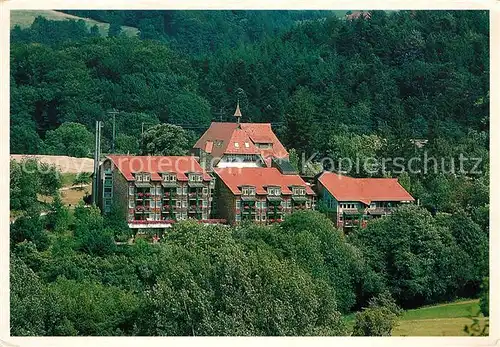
[(330, 87)]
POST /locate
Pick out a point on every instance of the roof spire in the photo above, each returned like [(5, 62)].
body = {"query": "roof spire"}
[(237, 113)]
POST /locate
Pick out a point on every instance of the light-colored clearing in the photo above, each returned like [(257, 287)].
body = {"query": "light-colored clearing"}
[(24, 18), (72, 197), (63, 163), (433, 327)]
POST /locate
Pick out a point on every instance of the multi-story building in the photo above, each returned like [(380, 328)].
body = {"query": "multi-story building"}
[(350, 201), (155, 191), (264, 195), (239, 144)]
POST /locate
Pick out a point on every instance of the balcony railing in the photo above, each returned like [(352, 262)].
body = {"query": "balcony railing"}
[(141, 208), (141, 196)]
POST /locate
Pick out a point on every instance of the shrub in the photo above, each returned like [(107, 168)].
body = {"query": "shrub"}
[(379, 318)]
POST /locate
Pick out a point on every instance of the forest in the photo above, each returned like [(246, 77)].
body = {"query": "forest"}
[(330, 87)]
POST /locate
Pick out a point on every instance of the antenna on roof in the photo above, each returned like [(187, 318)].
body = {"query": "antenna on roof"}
[(237, 113)]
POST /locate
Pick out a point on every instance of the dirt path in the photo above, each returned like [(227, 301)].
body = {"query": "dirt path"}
[(63, 163), (74, 187)]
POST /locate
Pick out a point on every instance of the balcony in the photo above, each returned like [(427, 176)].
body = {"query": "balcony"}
[(379, 211), (143, 196), (167, 207), (142, 209), (136, 224)]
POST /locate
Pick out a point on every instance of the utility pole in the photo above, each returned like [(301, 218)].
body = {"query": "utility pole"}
[(142, 138), (114, 112), (97, 155), (96, 163)]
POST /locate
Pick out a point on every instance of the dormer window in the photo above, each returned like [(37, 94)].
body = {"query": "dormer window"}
[(247, 145), (274, 191), (169, 177), (264, 145), (195, 178), (237, 145), (299, 191), (248, 191), (143, 177)]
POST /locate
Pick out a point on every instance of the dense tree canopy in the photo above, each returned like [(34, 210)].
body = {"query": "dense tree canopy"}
[(403, 84)]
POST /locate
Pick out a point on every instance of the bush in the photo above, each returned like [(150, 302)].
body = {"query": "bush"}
[(29, 228), (379, 318)]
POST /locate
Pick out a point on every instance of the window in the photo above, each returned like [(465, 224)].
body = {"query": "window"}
[(289, 204), (205, 191), (204, 203), (158, 190), (273, 191), (238, 204), (144, 177), (263, 218), (178, 204), (204, 215), (200, 178), (173, 178), (184, 203), (308, 204), (131, 204), (158, 204), (185, 190), (257, 218), (264, 204), (257, 204), (283, 203), (245, 191), (247, 145), (179, 190), (152, 190), (131, 190), (251, 191), (237, 145), (238, 217)]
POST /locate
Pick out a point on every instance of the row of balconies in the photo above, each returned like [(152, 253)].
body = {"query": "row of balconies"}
[(171, 221), (142, 208), (146, 196), (271, 208)]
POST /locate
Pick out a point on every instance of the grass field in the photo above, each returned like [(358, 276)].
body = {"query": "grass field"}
[(438, 320), (24, 18)]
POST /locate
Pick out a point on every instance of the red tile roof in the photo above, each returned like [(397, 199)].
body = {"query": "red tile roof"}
[(365, 190), (263, 133), (260, 178), (240, 143), (129, 164), (224, 135)]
